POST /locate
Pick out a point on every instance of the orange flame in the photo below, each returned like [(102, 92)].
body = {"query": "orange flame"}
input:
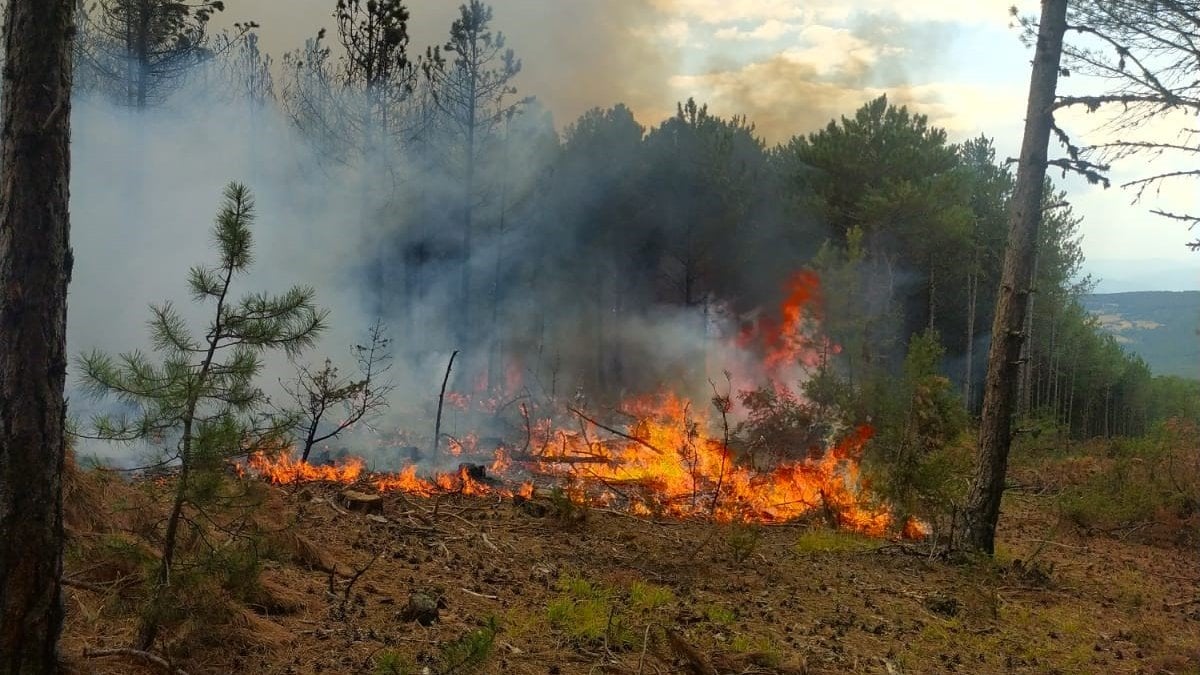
[(285, 470), (665, 462), (790, 338)]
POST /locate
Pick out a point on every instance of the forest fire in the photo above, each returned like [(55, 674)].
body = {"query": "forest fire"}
[(662, 465), (663, 459)]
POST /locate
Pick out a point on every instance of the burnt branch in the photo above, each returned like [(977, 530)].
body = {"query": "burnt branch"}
[(317, 392)]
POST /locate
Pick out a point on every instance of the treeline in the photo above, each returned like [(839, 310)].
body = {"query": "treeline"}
[(561, 252)]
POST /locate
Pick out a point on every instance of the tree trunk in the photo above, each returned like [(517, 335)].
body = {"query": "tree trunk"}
[(35, 267), (1027, 342), (465, 334), (932, 293), (982, 509), (968, 376)]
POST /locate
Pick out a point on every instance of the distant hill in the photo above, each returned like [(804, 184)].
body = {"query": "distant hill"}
[(1160, 274), (1159, 326)]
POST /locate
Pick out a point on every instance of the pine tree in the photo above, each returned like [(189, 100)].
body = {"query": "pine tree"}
[(471, 92), (202, 393), (140, 51), (35, 266), (982, 511)]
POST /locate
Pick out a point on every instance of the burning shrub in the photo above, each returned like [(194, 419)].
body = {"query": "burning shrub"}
[(780, 426)]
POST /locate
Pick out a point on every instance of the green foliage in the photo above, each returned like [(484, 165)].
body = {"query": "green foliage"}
[(645, 597), (720, 616), (470, 652), (201, 407), (586, 613), (742, 540), (767, 652), (1148, 480), (917, 455), (389, 662)]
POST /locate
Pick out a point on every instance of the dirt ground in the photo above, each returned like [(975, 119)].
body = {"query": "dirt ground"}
[(602, 592)]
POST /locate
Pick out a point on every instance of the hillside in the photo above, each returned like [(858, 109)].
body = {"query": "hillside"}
[(1159, 326)]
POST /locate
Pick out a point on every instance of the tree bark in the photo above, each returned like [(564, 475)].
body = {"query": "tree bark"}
[(968, 376), (35, 267), (982, 509)]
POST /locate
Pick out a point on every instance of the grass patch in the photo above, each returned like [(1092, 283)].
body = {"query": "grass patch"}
[(585, 614), (832, 541), (467, 654), (719, 615), (648, 597), (767, 653)]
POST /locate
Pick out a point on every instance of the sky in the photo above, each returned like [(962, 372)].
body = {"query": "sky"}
[(791, 66)]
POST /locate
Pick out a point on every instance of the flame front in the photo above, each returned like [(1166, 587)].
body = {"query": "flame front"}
[(666, 461), (665, 465), (675, 469)]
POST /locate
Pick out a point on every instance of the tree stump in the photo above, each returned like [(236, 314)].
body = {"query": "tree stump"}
[(362, 502)]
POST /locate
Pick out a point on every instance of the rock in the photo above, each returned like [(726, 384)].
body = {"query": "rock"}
[(421, 608), (362, 502)]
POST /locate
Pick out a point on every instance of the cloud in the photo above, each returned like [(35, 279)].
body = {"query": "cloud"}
[(769, 31), (799, 91), (716, 12)]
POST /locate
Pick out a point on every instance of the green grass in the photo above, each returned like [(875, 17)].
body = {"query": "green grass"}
[(719, 615), (768, 652), (832, 541), (648, 597), (585, 614)]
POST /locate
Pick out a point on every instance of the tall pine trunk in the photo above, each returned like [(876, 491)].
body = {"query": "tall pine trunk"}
[(35, 266), (968, 376), (465, 333), (982, 508)]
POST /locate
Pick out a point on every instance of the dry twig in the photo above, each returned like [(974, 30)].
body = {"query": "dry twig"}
[(136, 654)]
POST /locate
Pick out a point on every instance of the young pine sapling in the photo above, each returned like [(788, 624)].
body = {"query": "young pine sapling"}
[(202, 395)]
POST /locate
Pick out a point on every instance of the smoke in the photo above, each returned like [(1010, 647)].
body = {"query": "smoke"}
[(577, 54), (549, 301), (574, 297)]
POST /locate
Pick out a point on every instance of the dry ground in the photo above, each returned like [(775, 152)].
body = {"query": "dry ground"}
[(598, 593)]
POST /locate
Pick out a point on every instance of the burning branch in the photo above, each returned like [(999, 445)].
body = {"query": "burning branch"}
[(614, 431)]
